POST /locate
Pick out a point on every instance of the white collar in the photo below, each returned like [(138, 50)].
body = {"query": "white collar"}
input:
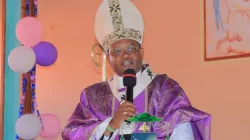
[(144, 78)]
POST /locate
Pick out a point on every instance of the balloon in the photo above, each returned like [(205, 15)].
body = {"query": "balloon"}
[(28, 126), (51, 126), (46, 53), (35, 2), (29, 31), (22, 59)]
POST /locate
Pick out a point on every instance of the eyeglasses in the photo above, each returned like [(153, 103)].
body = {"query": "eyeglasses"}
[(120, 51)]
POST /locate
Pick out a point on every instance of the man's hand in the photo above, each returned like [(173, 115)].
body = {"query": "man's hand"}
[(125, 111)]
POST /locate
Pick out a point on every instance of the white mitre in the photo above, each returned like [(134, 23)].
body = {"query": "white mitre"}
[(116, 20)]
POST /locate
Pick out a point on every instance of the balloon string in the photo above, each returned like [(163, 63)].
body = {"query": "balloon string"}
[(33, 81)]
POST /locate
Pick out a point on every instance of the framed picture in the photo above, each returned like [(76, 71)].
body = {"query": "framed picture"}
[(227, 29)]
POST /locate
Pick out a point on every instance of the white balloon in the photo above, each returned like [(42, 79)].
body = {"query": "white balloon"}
[(28, 126), (22, 59)]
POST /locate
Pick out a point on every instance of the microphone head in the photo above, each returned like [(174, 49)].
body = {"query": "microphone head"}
[(129, 78)]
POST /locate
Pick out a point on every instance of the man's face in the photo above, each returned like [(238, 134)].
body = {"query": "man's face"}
[(125, 54)]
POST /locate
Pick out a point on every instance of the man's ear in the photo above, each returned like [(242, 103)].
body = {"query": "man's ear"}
[(142, 52)]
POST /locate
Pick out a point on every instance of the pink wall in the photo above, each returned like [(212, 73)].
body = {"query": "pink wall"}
[(174, 45)]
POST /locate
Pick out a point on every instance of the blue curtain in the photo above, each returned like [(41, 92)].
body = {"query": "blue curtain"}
[(11, 79)]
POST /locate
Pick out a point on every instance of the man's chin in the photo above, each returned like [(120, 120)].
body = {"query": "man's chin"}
[(125, 68)]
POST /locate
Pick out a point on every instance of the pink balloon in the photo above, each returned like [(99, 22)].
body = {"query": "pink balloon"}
[(29, 31), (51, 126)]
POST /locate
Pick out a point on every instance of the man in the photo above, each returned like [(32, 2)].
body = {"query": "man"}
[(102, 110)]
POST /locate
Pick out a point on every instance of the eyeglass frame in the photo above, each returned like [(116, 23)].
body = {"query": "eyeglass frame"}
[(137, 48)]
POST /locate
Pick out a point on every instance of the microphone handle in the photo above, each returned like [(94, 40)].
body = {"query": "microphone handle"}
[(130, 93), (130, 97)]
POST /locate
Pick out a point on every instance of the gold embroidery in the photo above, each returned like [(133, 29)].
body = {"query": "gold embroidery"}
[(120, 32), (144, 127), (115, 12)]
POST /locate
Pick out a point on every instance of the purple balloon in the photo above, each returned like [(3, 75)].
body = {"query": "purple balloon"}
[(46, 53)]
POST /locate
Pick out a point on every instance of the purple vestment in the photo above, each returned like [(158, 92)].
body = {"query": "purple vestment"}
[(166, 99)]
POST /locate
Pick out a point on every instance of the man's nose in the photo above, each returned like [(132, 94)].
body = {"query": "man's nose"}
[(125, 53)]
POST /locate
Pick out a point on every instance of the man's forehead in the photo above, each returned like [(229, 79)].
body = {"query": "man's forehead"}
[(124, 42)]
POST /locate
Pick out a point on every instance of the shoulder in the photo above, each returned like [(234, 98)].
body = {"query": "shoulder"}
[(165, 82), (167, 89), (96, 86), (94, 90)]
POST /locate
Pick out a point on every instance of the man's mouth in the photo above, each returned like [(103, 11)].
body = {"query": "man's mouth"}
[(127, 64)]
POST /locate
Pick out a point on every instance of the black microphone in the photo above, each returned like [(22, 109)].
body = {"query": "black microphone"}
[(129, 81)]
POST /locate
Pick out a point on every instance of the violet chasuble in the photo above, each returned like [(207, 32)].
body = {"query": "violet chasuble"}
[(157, 95)]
